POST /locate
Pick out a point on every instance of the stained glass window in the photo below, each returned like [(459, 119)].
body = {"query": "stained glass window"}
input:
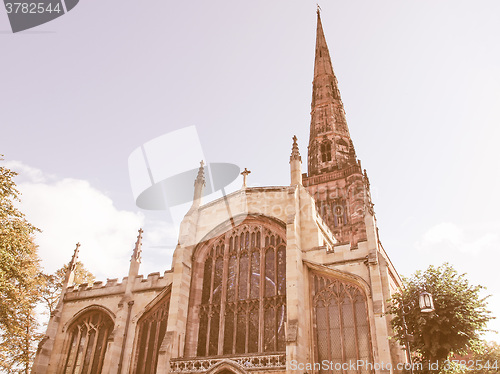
[(242, 307), (341, 325), (88, 341), (151, 330)]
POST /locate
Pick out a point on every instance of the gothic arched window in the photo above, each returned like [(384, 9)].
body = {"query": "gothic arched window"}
[(88, 340), (151, 331), (339, 215), (242, 304), (326, 151), (339, 212), (342, 332)]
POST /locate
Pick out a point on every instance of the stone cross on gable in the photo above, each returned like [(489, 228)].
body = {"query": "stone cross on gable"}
[(245, 175)]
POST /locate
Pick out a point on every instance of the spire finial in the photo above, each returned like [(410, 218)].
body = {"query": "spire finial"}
[(318, 9), (295, 164), (77, 249), (200, 178), (70, 272), (199, 184), (352, 151), (245, 175), (295, 150), (136, 255), (74, 258)]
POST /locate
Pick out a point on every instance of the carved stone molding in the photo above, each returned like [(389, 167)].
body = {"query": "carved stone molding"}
[(247, 362)]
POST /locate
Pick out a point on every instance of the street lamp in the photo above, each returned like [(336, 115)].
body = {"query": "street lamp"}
[(408, 338), (426, 306), (425, 302)]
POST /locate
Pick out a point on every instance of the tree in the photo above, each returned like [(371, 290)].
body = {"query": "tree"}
[(19, 281), (22, 284), (483, 358), (486, 358), (53, 283), (18, 345), (459, 318)]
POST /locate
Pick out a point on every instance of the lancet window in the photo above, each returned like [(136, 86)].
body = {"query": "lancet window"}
[(339, 210), (326, 151), (151, 330), (87, 345), (334, 212), (242, 306), (342, 331)]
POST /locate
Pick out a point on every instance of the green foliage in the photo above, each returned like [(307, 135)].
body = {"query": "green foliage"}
[(483, 358), (53, 283), (22, 285), (19, 280), (18, 343), (486, 358), (459, 318)]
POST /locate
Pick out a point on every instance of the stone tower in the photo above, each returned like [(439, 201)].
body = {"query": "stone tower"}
[(335, 178)]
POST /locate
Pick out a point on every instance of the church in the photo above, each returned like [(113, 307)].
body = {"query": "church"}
[(282, 279)]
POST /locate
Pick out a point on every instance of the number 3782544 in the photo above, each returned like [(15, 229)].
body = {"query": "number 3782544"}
[(32, 8)]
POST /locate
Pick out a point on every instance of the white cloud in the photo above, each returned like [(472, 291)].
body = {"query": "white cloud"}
[(70, 211), (27, 173), (447, 237), (472, 249), (160, 239)]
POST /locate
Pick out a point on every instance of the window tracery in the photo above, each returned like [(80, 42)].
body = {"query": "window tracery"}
[(151, 329), (326, 151), (341, 324), (242, 308), (334, 212), (88, 341)]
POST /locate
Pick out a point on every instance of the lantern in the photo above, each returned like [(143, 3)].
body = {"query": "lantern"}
[(426, 303)]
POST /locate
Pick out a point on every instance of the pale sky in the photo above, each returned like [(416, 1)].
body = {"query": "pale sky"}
[(419, 81)]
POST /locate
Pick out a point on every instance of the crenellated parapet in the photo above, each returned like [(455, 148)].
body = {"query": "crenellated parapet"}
[(154, 281)]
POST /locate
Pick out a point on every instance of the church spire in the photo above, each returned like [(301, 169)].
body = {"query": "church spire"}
[(329, 140), (322, 62), (334, 176)]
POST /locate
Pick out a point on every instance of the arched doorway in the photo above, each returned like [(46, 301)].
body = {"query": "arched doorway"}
[(226, 367)]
